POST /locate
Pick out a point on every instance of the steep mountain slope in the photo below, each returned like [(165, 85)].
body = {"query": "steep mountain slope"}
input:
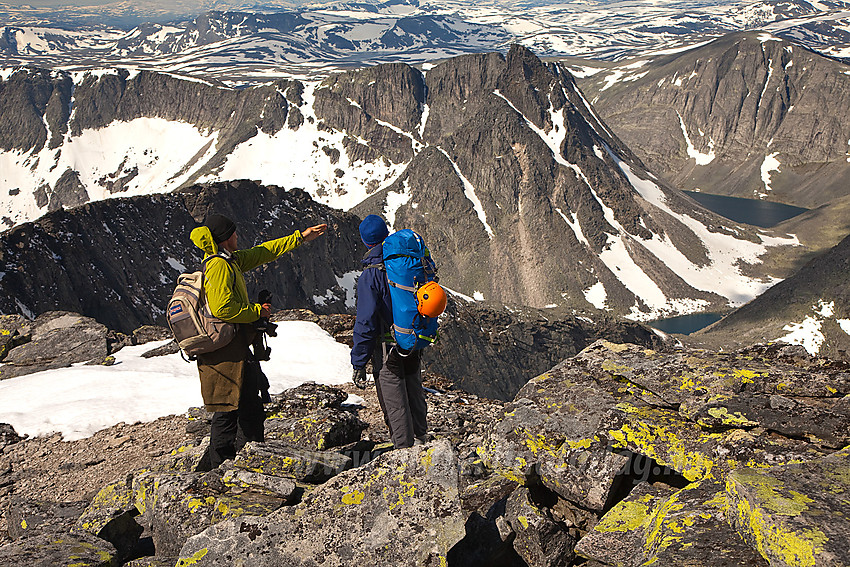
[(530, 199), (118, 260), (811, 308), (748, 115)]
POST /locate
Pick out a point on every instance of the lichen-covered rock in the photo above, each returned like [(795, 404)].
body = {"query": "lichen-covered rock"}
[(660, 526), (111, 502), (65, 550), (276, 458), (566, 425), (238, 480), (400, 509), (552, 430), (797, 514), (303, 399), (177, 505), (186, 457), (14, 331), (321, 429), (539, 540), (25, 517)]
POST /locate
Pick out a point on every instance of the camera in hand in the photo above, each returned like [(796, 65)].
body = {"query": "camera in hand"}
[(263, 324)]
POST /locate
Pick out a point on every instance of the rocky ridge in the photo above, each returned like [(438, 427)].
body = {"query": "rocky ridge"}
[(620, 455), (117, 261), (809, 309)]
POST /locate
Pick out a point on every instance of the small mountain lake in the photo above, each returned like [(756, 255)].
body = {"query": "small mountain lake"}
[(759, 213), (685, 324), (751, 211)]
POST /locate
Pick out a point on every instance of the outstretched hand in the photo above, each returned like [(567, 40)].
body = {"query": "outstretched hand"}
[(313, 232)]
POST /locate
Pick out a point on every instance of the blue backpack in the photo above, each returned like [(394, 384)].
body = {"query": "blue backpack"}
[(408, 265)]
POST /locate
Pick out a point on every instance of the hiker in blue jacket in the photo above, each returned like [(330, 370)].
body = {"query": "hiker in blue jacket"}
[(398, 377)]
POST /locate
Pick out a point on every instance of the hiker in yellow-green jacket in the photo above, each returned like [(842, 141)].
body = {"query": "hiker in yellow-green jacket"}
[(230, 376)]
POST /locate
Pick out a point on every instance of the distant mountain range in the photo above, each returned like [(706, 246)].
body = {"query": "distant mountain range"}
[(246, 43)]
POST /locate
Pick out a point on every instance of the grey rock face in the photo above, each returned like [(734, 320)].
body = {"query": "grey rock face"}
[(59, 339), (740, 99), (27, 517), (99, 261), (492, 351), (401, 509)]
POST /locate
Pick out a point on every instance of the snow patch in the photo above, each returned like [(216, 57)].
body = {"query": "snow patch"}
[(469, 191), (596, 295), (395, 200), (86, 399), (769, 164), (699, 157), (174, 263)]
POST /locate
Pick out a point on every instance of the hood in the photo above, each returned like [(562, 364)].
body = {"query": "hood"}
[(375, 255), (203, 239)]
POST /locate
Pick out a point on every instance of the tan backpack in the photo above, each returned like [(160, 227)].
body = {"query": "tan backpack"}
[(196, 330)]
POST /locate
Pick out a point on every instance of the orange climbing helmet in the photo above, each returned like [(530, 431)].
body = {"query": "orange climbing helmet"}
[(431, 299)]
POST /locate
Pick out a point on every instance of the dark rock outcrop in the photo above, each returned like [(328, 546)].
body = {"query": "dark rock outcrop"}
[(492, 351), (99, 261)]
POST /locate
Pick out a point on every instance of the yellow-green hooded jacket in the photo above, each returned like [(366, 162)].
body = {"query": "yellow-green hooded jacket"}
[(223, 282), (222, 371)]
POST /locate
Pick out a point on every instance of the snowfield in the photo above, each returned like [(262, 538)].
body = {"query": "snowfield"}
[(84, 399)]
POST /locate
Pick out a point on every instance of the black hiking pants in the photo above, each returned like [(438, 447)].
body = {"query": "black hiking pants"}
[(399, 389), (232, 429)]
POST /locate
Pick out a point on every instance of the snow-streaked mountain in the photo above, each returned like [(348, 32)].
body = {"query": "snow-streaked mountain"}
[(250, 45), (483, 155), (747, 115)]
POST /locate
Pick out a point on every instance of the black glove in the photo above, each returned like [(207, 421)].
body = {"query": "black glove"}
[(359, 378)]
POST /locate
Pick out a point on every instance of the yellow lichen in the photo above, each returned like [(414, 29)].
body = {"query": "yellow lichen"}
[(194, 558)]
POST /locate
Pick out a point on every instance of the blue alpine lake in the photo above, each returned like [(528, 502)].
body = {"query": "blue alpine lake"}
[(685, 324), (751, 211)]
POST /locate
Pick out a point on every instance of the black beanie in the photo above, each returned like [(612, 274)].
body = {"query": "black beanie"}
[(220, 227)]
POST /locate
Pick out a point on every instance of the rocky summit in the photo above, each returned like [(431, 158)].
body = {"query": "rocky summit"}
[(621, 455)]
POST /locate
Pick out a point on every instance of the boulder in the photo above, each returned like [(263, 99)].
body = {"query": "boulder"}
[(795, 514), (177, 505), (59, 339), (658, 525), (276, 458), (554, 431), (66, 550), (321, 429), (111, 516), (400, 509), (539, 540), (14, 331), (483, 503), (25, 517), (240, 481), (8, 436)]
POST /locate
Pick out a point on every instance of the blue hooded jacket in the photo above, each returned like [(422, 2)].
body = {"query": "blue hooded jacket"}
[(374, 308)]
